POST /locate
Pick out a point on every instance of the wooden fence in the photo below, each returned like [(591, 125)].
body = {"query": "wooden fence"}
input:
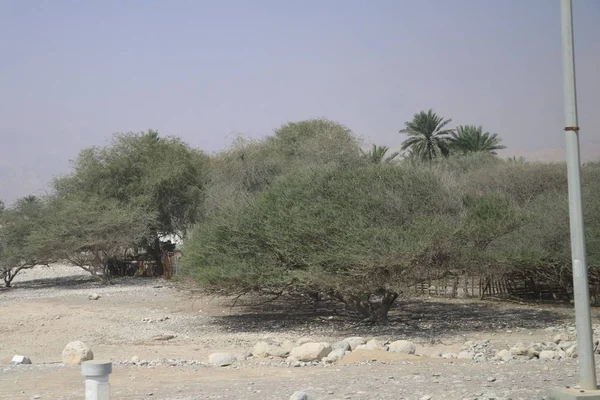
[(516, 287)]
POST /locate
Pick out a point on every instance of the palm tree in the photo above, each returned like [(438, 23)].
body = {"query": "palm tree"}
[(427, 137), (377, 154), (471, 139)]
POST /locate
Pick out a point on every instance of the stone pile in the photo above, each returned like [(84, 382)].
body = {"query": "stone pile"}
[(306, 352)]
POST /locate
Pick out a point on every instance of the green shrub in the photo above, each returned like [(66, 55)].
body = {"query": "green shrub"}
[(357, 234), (251, 166)]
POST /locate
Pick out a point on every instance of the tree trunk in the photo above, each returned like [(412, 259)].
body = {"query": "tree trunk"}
[(156, 253), (386, 303), (373, 311)]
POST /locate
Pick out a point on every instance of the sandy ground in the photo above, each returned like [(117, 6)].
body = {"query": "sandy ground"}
[(47, 308)]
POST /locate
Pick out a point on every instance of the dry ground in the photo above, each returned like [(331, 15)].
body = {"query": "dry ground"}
[(48, 308)]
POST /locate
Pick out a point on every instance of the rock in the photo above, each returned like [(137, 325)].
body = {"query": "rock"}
[(563, 337), (572, 351), (334, 355), (163, 337), (465, 355), (93, 296), (222, 359), (402, 346), (533, 352), (374, 344), (288, 345), (519, 349), (302, 341), (20, 360), (261, 349), (547, 354), (426, 397), (448, 356), (362, 347), (76, 352), (565, 344), (310, 351), (265, 349), (341, 345), (501, 354), (301, 396), (355, 341), (491, 379)]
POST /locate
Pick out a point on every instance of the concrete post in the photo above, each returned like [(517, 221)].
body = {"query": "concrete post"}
[(96, 379)]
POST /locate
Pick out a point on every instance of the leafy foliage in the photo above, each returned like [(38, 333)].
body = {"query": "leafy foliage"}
[(471, 139), (17, 225), (250, 167), (427, 138), (377, 154), (164, 177), (355, 234), (89, 231)]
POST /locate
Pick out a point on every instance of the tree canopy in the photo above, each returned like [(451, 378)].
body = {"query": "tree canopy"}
[(428, 137), (17, 225), (471, 139), (89, 231), (162, 177)]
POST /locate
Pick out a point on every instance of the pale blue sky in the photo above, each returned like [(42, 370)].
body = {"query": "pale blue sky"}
[(75, 72)]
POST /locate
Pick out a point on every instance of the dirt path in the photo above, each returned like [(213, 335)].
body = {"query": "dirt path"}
[(49, 308)]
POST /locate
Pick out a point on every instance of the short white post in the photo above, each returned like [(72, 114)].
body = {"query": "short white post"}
[(96, 379)]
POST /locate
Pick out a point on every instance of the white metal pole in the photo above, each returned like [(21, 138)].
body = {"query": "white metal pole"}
[(587, 367)]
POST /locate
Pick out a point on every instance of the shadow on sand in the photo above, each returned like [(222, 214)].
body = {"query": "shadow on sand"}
[(413, 317)]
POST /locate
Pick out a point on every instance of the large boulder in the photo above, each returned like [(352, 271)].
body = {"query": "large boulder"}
[(355, 341), (341, 345), (288, 345), (374, 344), (76, 352), (519, 349), (303, 340), (222, 359), (265, 349), (334, 356), (310, 352), (402, 346)]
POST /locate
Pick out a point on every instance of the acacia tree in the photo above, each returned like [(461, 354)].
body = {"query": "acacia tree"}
[(249, 167), (356, 234), (162, 176), (17, 224), (88, 232)]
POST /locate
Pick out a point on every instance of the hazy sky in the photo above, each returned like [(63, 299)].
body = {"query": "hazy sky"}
[(75, 72)]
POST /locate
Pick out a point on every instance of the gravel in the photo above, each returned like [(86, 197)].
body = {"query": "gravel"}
[(53, 309)]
